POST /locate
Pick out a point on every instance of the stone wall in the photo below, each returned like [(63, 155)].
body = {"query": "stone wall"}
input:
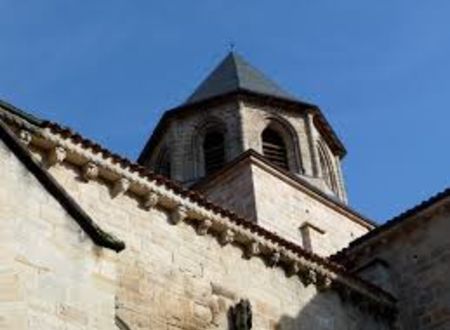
[(172, 278), (281, 204), (417, 265), (283, 208), (234, 190), (51, 275)]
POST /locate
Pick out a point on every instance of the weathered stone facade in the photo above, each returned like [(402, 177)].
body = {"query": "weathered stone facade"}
[(51, 274), (183, 267), (285, 205), (90, 240), (171, 277)]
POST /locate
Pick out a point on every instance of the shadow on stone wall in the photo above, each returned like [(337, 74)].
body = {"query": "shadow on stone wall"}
[(328, 311)]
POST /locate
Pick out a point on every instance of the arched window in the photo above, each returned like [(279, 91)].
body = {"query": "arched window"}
[(274, 148), (213, 151), (327, 168), (163, 165)]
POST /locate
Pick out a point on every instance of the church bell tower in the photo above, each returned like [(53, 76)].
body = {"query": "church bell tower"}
[(237, 109)]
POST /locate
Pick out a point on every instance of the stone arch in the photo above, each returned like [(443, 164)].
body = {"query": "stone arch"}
[(327, 167), (207, 128), (290, 138)]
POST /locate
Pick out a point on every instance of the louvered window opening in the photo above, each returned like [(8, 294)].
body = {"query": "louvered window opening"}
[(274, 148), (214, 152)]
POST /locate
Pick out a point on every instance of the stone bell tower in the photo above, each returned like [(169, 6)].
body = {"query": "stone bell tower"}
[(237, 108), (255, 149)]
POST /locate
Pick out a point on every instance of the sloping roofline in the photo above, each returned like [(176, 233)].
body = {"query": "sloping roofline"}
[(234, 73), (394, 222)]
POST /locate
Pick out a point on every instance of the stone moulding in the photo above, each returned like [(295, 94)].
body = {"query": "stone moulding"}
[(253, 239)]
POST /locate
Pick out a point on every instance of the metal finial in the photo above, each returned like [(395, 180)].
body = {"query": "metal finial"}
[(232, 46)]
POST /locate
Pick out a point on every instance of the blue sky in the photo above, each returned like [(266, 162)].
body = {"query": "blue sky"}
[(380, 71)]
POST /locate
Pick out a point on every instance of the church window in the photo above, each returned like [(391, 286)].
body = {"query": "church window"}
[(163, 165), (214, 151), (274, 148)]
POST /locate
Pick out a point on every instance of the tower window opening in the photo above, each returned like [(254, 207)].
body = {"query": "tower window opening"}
[(214, 151), (274, 148)]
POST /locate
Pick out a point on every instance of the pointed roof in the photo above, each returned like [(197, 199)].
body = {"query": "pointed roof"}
[(233, 74)]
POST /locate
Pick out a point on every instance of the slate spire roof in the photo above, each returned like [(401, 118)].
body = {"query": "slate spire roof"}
[(234, 74)]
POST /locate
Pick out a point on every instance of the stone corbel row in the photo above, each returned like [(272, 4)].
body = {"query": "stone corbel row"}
[(309, 274), (206, 221)]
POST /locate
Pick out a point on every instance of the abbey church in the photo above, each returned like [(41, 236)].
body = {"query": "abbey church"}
[(234, 217)]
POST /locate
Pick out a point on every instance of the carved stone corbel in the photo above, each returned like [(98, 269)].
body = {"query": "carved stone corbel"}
[(57, 155), (90, 171), (226, 237), (25, 136), (120, 187), (252, 249), (203, 226), (151, 200), (274, 258), (293, 269), (309, 276), (324, 283), (178, 214)]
